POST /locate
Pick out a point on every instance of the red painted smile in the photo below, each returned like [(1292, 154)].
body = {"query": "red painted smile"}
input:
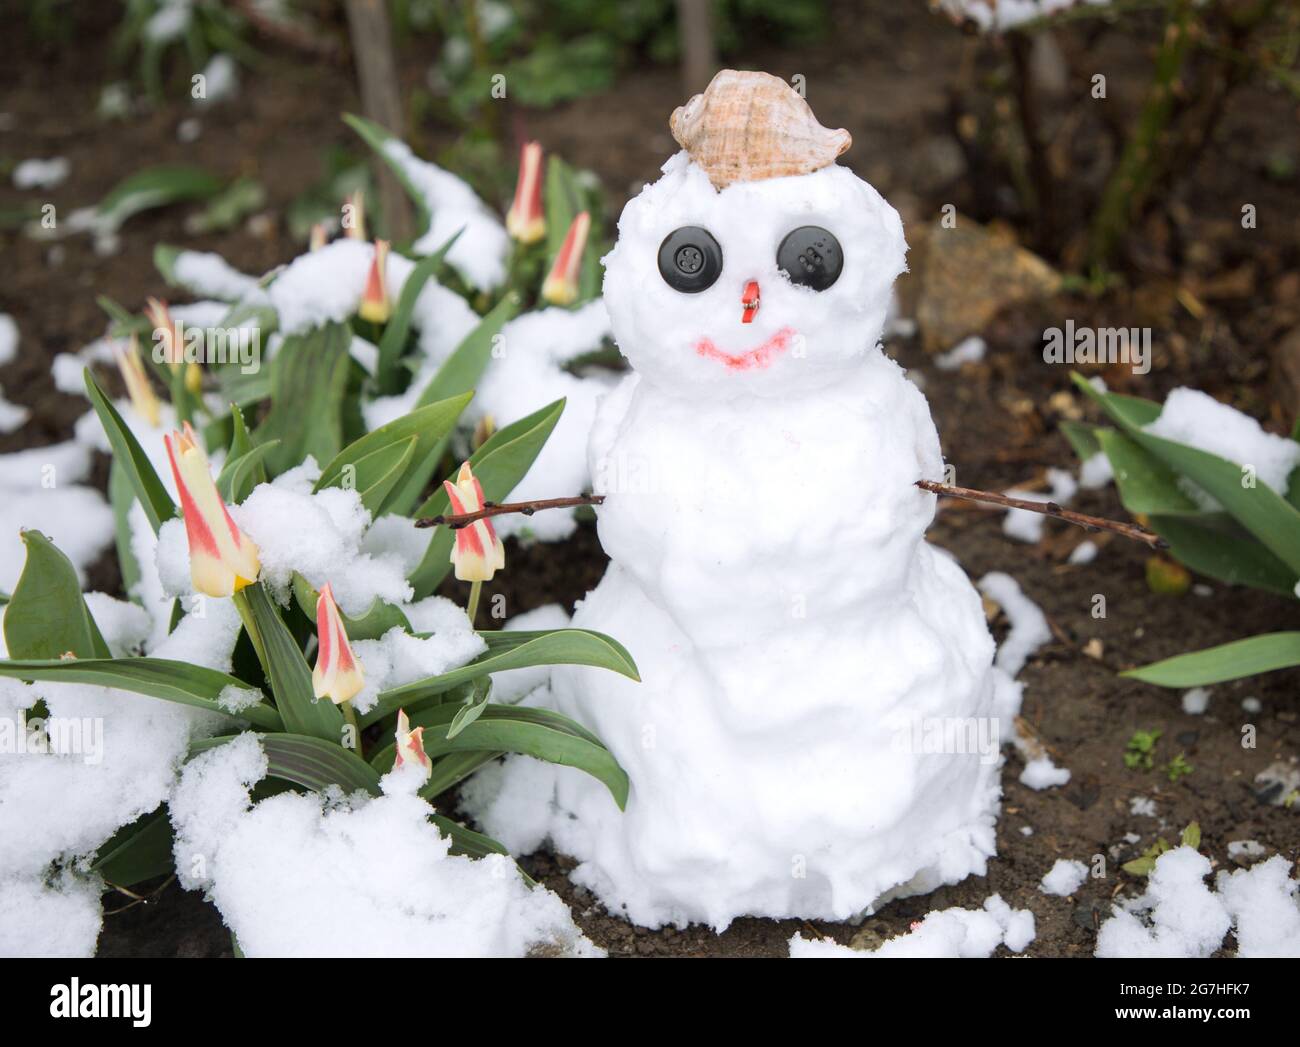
[(754, 359)]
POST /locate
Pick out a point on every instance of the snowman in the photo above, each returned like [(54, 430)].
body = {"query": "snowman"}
[(813, 672)]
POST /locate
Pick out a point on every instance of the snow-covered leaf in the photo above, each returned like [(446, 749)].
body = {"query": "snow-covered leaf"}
[(157, 503), (172, 681), (1229, 661), (540, 733), (512, 650), (314, 763), (1258, 508), (154, 187)]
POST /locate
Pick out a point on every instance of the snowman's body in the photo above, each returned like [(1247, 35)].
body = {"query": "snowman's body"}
[(795, 634)]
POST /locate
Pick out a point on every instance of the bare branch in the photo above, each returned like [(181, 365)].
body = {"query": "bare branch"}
[(1089, 523), (458, 520)]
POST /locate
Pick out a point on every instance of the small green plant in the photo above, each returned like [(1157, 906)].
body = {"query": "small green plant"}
[(1178, 767), (1139, 750), (1142, 866)]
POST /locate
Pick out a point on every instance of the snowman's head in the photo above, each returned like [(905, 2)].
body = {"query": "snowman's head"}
[(736, 273)]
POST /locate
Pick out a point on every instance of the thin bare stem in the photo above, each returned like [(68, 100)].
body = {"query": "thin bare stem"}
[(1089, 523), (457, 520)]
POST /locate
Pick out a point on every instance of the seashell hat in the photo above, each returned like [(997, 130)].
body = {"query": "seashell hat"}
[(748, 125)]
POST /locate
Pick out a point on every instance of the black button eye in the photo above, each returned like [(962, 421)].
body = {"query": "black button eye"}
[(810, 257), (690, 259)]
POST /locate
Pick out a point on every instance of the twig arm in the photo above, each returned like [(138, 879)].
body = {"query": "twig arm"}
[(458, 520), (1090, 523)]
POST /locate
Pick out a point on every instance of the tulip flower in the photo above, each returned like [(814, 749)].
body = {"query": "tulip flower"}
[(337, 675), (561, 284), (320, 236), (166, 333), (478, 553), (524, 220), (137, 382), (222, 558), (410, 746), (375, 305), (193, 378), (354, 216)]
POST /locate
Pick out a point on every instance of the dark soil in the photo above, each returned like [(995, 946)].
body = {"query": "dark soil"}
[(886, 75)]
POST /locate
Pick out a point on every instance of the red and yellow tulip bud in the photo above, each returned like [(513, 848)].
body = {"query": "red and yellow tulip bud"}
[(354, 216), (166, 333), (525, 221), (561, 284), (320, 236), (337, 675), (222, 558), (478, 553), (375, 305), (137, 382), (483, 430), (193, 378), (410, 746)]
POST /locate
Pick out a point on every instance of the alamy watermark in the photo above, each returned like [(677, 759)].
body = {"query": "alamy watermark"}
[(209, 345), (55, 735), (1098, 345)]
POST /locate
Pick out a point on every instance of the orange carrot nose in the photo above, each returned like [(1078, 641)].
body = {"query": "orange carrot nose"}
[(749, 302)]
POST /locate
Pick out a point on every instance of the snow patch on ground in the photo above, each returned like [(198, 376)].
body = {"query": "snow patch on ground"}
[(304, 875), (1064, 878), (949, 933)]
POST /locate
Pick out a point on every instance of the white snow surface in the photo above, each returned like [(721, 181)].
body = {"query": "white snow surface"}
[(208, 274), (968, 351), (306, 875), (1064, 877), (944, 934), (1001, 15), (479, 253), (748, 797), (41, 174), (1029, 628), (1196, 701), (1196, 419), (1179, 916)]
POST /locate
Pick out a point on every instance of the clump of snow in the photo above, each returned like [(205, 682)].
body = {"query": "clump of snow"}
[(1026, 526), (1196, 701), (207, 273), (326, 285), (317, 535), (39, 490), (968, 351), (302, 875), (1178, 916), (45, 919), (479, 254), (170, 22), (1064, 878), (1042, 773), (1144, 806), (235, 700), (1029, 628), (398, 658), (1002, 15), (1265, 908), (41, 174), (1083, 553), (1245, 849), (124, 625), (1096, 472), (8, 339), (950, 933), (1196, 419), (1251, 704), (220, 79)]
